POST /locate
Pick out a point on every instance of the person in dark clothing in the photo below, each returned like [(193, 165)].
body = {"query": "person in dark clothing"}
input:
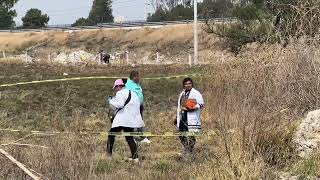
[(103, 58), (106, 58)]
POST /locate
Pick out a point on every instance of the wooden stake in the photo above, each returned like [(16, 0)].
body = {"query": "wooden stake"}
[(127, 57), (19, 164), (30, 145), (26, 54)]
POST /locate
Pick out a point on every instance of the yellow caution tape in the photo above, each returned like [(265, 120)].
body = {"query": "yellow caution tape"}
[(98, 77), (150, 134), (104, 135)]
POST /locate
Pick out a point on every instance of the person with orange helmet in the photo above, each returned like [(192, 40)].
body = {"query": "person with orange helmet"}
[(190, 103)]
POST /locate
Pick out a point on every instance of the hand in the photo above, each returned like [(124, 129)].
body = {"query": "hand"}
[(184, 108), (192, 109), (109, 98)]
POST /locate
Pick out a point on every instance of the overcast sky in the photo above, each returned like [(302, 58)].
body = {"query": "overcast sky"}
[(67, 11)]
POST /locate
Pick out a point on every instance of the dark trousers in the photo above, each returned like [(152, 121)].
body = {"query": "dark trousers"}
[(132, 144), (106, 60), (141, 111), (187, 141)]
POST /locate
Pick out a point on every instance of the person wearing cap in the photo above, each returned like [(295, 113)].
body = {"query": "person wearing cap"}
[(127, 117), (134, 85), (190, 103)]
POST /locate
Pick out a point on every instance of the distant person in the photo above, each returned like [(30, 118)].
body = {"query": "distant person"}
[(134, 85), (190, 103), (104, 58), (126, 117)]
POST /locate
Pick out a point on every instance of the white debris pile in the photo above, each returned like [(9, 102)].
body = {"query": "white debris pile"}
[(286, 176), (74, 58), (26, 58), (307, 137)]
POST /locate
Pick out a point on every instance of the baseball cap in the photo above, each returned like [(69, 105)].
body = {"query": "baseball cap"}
[(118, 82)]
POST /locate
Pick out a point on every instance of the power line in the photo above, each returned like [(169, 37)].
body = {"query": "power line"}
[(66, 13), (117, 10), (78, 10), (71, 9), (122, 1), (85, 7)]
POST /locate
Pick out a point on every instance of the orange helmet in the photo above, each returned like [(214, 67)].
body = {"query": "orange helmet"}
[(191, 103)]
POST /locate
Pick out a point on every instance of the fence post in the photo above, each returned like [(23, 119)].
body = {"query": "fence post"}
[(190, 60), (222, 57), (158, 57), (144, 59), (26, 56), (127, 57), (49, 57)]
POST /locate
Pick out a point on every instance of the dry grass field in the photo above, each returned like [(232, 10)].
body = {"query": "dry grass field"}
[(254, 103)]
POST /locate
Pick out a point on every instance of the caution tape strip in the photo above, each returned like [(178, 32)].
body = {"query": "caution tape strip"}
[(105, 134), (150, 134), (98, 77)]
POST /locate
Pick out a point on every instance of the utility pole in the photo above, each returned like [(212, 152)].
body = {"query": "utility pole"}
[(195, 31), (146, 11)]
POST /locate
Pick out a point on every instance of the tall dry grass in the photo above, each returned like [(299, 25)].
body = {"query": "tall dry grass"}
[(260, 98), (253, 104), (166, 35)]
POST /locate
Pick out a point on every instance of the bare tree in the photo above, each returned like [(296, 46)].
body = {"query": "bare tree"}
[(170, 4)]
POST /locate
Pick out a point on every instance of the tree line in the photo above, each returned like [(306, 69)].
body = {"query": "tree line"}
[(173, 10), (101, 11), (271, 21)]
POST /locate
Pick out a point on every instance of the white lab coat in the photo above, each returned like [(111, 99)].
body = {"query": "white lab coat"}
[(130, 115), (194, 121)]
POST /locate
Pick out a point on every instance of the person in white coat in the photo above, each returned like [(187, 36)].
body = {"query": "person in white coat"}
[(190, 104), (127, 116)]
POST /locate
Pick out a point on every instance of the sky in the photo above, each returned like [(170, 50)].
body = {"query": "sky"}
[(68, 11)]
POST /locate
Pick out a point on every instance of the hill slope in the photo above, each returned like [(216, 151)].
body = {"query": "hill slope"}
[(173, 43)]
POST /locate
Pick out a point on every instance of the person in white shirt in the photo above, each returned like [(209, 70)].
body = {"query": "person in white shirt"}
[(190, 104), (127, 116)]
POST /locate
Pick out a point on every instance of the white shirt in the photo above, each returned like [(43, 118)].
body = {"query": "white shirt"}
[(130, 115), (194, 122)]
